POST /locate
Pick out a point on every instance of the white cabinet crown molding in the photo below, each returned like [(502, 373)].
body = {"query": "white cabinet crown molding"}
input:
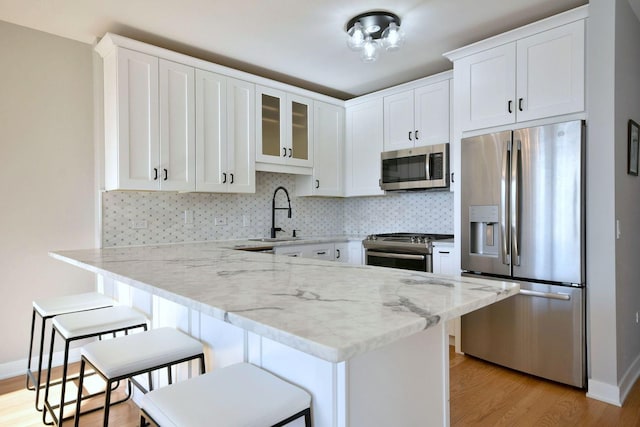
[(558, 20), (110, 41)]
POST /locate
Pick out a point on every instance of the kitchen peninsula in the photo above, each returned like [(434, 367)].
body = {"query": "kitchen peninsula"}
[(368, 343)]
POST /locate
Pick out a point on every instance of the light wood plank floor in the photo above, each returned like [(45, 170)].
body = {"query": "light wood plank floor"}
[(482, 394)]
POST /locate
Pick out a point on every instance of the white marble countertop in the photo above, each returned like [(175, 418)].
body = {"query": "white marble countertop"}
[(330, 310)]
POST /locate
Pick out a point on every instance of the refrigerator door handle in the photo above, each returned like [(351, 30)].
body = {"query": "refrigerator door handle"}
[(504, 203), (516, 174), (549, 295)]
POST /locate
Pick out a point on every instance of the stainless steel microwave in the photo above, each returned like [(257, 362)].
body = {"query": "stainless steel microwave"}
[(419, 168)]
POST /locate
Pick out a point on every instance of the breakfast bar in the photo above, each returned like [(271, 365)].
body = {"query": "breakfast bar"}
[(368, 343)]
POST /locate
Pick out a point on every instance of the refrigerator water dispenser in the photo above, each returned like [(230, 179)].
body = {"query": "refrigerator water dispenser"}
[(485, 230)]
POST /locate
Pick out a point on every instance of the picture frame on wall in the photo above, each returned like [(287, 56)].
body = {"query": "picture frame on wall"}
[(632, 149)]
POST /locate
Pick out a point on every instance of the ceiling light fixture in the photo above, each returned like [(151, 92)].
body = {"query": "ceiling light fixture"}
[(370, 31)]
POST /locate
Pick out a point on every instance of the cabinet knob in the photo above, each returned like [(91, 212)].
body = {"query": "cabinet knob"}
[(155, 170), (224, 177)]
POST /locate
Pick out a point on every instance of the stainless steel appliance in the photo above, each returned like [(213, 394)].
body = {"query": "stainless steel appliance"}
[(418, 168), (522, 215), (408, 251)]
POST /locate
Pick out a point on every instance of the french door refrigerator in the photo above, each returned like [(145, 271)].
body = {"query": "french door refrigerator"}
[(522, 215)]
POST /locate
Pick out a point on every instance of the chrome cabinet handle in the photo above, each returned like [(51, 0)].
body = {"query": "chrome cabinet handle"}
[(396, 256), (224, 177), (155, 170)]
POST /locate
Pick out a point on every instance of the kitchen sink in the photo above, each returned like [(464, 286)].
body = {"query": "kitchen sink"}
[(275, 239)]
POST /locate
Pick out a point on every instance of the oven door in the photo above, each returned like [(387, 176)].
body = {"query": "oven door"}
[(404, 261)]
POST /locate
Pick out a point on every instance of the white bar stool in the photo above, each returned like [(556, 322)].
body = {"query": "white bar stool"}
[(86, 324), (48, 308), (126, 357), (238, 395)]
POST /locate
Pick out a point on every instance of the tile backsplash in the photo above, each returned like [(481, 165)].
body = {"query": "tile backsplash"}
[(141, 218)]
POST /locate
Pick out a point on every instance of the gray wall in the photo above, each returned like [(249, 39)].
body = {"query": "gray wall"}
[(46, 133)]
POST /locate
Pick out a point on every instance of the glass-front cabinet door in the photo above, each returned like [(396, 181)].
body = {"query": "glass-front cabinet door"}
[(284, 131)]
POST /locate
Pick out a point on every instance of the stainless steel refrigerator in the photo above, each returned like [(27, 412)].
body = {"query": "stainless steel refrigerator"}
[(523, 219)]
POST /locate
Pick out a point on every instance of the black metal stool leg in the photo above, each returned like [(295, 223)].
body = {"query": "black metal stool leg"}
[(33, 328), (76, 421), (44, 322), (46, 390), (65, 361), (107, 403)]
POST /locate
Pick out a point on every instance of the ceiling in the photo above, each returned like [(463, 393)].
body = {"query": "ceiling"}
[(301, 42)]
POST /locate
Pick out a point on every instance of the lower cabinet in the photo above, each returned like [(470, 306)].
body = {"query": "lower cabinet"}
[(346, 252), (443, 253)]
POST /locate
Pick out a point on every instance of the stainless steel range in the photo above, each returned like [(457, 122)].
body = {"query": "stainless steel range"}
[(408, 251)]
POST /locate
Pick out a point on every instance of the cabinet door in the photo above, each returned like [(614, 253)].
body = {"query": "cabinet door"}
[(551, 72), (328, 146), (290, 251), (138, 151), (177, 127), (431, 112), (341, 252), (364, 144), (271, 131), (399, 128), (486, 87), (211, 132), (320, 251), (443, 260), (241, 136), (299, 142)]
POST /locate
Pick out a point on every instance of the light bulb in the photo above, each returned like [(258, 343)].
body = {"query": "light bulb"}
[(356, 37), (369, 50), (392, 37)]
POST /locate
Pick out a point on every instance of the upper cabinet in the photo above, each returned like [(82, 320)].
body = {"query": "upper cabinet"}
[(364, 143), (284, 134), (531, 73), (417, 117), (149, 123), (225, 141), (328, 153)]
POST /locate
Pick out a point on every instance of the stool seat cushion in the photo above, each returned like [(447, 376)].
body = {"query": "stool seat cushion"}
[(74, 325), (240, 395), (49, 307), (142, 351)]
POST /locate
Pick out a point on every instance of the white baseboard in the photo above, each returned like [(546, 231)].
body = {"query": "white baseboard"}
[(604, 392), (17, 368), (615, 395), (629, 379)]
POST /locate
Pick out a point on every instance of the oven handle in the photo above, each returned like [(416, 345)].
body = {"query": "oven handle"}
[(396, 255)]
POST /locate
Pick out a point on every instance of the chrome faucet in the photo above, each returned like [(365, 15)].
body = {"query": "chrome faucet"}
[(273, 211)]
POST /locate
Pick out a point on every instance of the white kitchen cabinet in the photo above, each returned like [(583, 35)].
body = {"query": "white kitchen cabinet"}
[(284, 134), (417, 117), (225, 135), (443, 253), (533, 77), (364, 143), (149, 123), (290, 251), (323, 251), (328, 157), (346, 252)]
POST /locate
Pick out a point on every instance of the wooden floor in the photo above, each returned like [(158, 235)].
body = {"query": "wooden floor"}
[(482, 394)]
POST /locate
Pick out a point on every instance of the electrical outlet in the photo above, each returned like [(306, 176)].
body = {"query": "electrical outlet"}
[(221, 221), (246, 220), (138, 224)]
